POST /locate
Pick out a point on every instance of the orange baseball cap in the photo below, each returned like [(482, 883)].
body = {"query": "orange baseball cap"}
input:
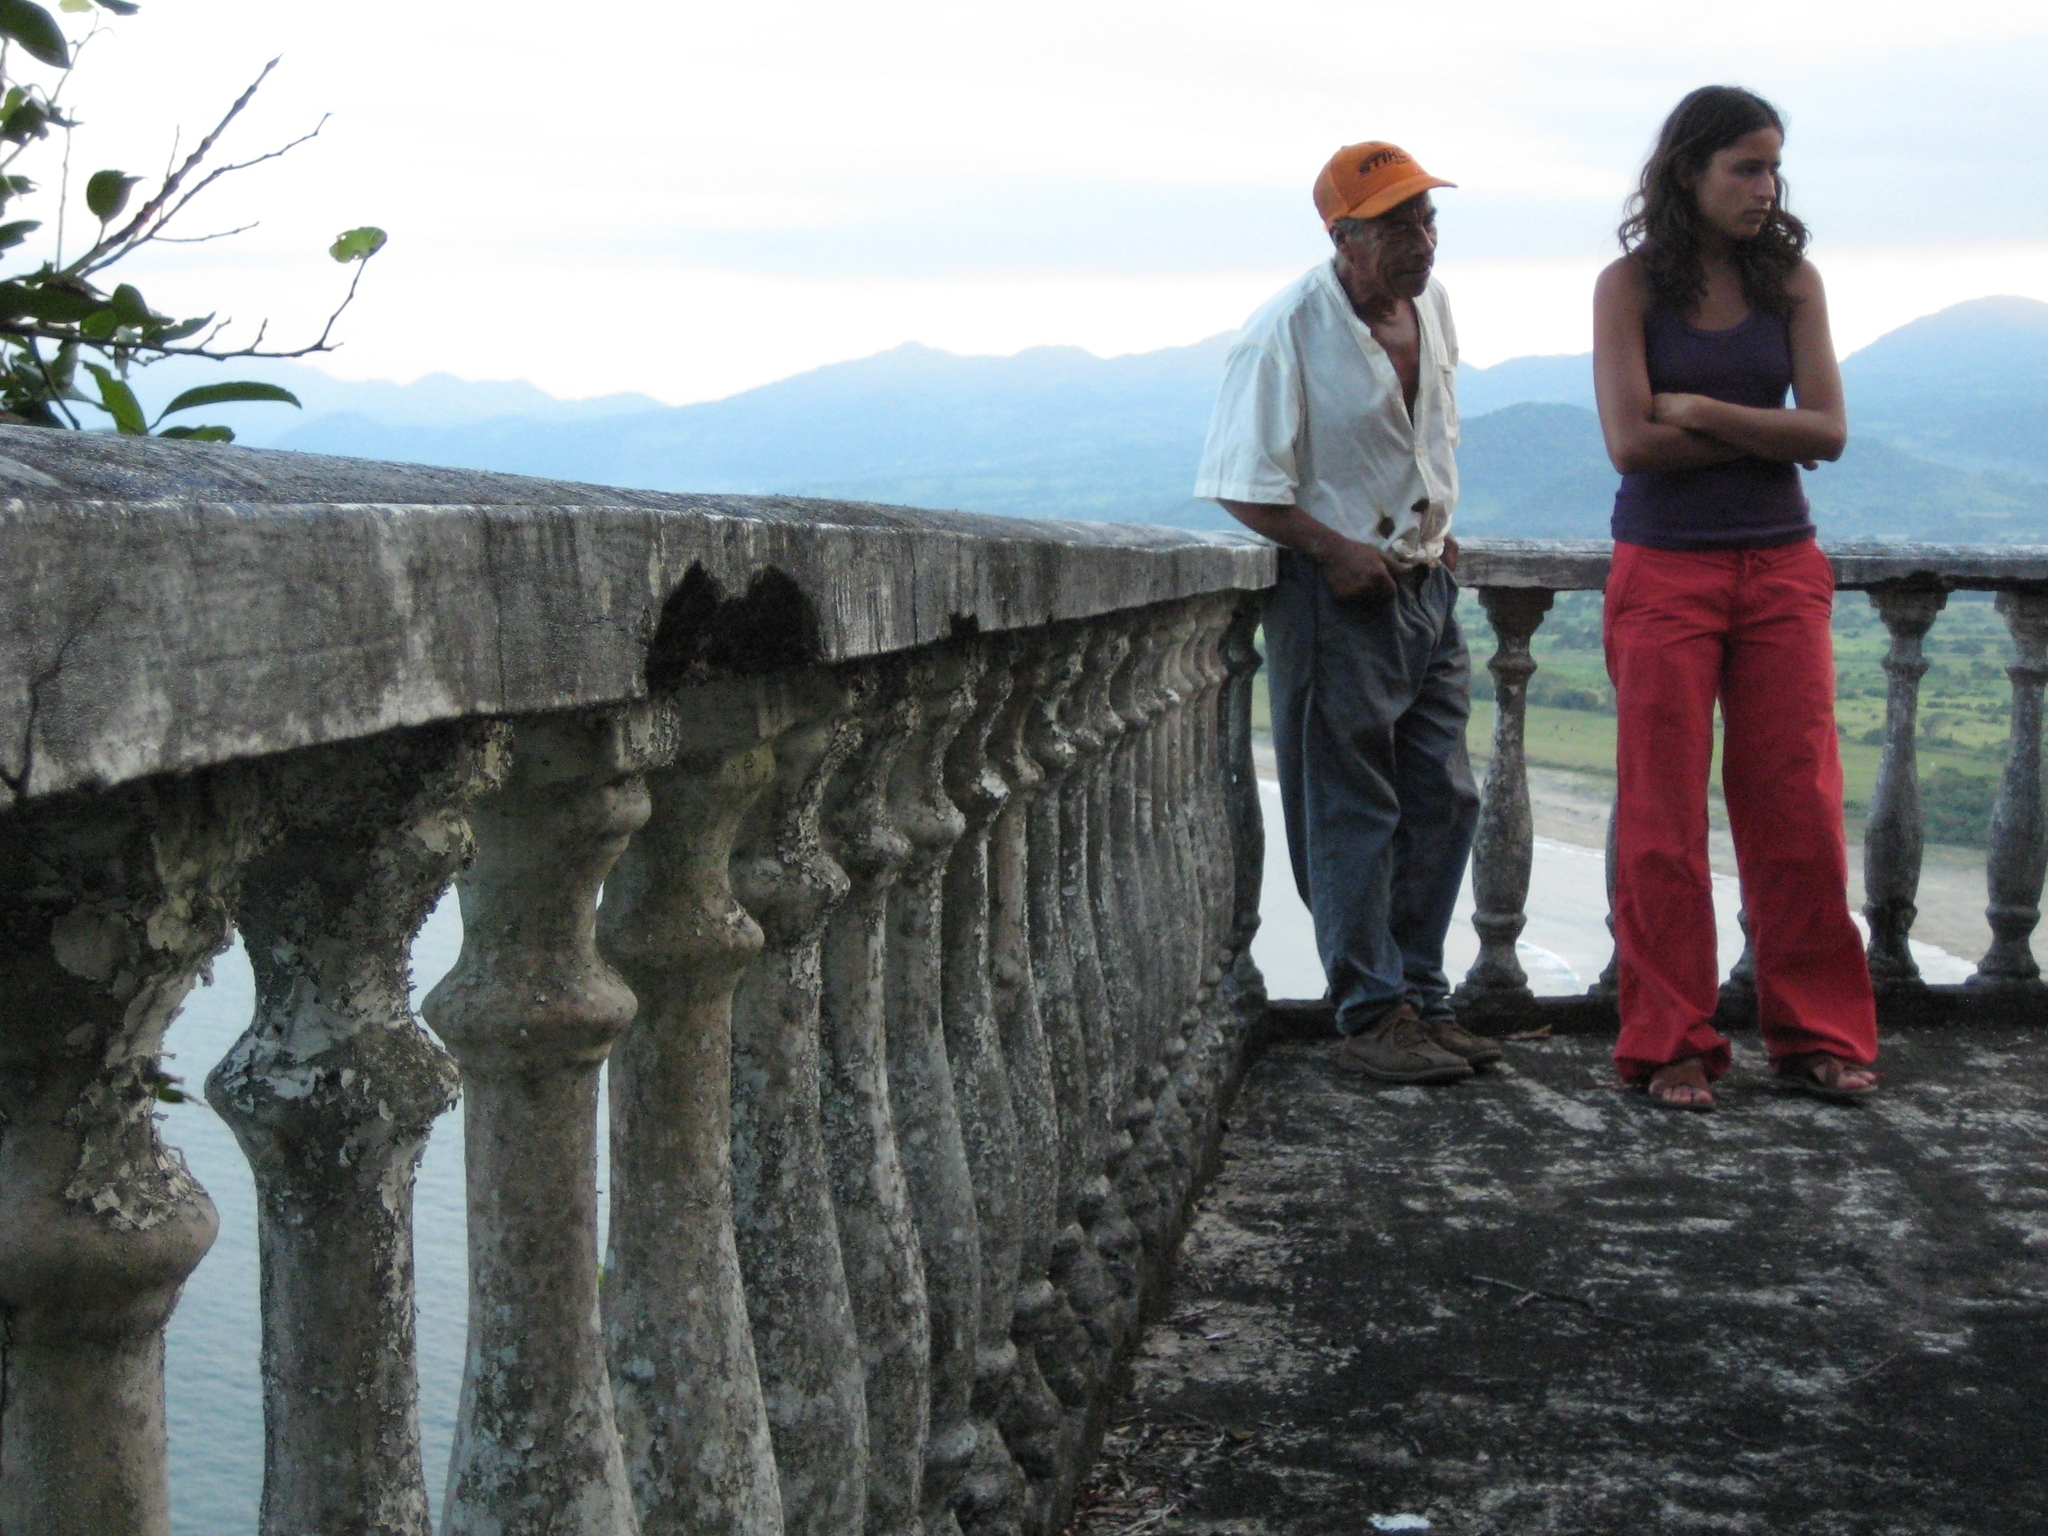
[(1362, 181)]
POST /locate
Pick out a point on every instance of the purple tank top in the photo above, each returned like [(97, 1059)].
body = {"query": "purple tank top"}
[(1743, 504)]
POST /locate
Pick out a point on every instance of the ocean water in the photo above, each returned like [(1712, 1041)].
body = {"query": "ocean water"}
[(213, 1391)]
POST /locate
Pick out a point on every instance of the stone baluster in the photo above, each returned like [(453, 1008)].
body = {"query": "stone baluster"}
[(1083, 816), (995, 1489), (1063, 1345), (1186, 814), (1243, 798), (921, 1081), (1096, 1273), (1120, 907), (1892, 840), (1134, 861), (877, 1229), (1208, 775), (332, 1093), (1030, 1417), (113, 906), (1131, 863), (1174, 819), (1105, 1007), (530, 1012), (684, 1375), (1199, 783), (1109, 835), (1737, 1004), (1163, 837), (1503, 847), (1609, 983), (2018, 854), (805, 1342), (1168, 883)]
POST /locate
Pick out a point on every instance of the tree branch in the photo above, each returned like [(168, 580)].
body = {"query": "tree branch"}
[(210, 178), (168, 190), (219, 234)]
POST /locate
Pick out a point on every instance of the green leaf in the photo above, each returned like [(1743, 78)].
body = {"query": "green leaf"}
[(229, 394), (38, 413), (183, 329), (200, 434), (99, 325), (128, 307), (13, 234), (36, 30), (358, 244), (118, 7), (59, 306), (107, 193), (74, 7), (119, 402), (28, 121)]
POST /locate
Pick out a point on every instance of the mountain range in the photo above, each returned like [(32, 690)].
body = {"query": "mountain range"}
[(1949, 433)]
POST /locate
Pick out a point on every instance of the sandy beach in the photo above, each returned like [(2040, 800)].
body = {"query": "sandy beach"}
[(1566, 944)]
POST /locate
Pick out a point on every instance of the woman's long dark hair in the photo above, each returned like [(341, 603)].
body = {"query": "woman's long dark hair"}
[(1661, 225)]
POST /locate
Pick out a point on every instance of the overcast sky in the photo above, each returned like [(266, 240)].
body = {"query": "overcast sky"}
[(691, 199)]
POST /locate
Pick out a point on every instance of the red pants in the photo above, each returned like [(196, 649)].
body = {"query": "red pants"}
[(1751, 628)]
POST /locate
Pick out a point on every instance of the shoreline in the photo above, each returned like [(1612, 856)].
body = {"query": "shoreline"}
[(1571, 806)]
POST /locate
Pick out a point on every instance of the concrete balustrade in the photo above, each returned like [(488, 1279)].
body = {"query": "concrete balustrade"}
[(1908, 585), (901, 868), (895, 863)]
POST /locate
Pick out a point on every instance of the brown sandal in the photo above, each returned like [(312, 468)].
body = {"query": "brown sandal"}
[(1660, 1098), (1801, 1074)]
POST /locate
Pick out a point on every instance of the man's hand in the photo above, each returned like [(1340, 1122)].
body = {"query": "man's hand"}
[(1358, 573), (1450, 552)]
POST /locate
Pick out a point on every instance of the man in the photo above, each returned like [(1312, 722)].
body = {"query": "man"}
[(1334, 437)]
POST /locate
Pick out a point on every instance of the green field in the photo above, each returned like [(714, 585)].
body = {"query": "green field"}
[(1965, 702)]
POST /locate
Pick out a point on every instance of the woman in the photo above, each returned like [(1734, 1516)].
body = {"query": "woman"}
[(1718, 591)]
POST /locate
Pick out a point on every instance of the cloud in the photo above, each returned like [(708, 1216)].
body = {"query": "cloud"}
[(570, 191)]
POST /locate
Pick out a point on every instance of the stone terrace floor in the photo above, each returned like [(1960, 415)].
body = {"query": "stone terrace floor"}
[(1530, 1303)]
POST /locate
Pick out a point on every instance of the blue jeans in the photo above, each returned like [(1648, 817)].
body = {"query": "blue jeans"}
[(1370, 703)]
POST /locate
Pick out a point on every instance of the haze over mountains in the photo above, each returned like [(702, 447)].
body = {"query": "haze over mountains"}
[(1949, 433)]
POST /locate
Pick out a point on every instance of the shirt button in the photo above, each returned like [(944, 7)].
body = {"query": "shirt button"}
[(1420, 506), (1385, 528)]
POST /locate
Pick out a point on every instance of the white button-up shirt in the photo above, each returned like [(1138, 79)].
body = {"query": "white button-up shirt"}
[(1311, 413)]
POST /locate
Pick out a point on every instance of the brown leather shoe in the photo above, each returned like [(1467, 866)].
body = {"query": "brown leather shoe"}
[(1399, 1049), (1475, 1050)]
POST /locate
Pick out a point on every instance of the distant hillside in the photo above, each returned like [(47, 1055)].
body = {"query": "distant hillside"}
[(437, 400), (1541, 471), (1566, 379), (1051, 430), (1967, 386), (1949, 434)]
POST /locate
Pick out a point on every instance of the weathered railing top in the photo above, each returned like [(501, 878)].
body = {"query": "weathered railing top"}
[(1580, 565), (169, 606)]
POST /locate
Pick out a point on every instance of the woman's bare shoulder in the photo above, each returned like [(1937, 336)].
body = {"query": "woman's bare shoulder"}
[(1803, 282), (1622, 281)]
